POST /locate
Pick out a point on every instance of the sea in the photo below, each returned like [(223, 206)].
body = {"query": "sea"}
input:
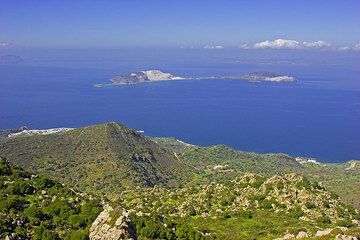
[(318, 116)]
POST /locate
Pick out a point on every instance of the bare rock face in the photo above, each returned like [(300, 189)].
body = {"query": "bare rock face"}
[(112, 225)]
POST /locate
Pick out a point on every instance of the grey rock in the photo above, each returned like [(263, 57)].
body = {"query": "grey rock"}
[(105, 228)]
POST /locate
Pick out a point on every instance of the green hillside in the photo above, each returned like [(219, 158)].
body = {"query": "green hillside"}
[(110, 158), (247, 207), (34, 207), (168, 189), (105, 158)]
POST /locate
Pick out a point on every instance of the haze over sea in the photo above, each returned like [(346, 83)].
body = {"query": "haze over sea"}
[(315, 117)]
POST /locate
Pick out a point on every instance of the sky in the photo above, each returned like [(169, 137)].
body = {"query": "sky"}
[(210, 24)]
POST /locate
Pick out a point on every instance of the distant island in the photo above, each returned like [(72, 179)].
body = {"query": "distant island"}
[(141, 77), (261, 76), (157, 75)]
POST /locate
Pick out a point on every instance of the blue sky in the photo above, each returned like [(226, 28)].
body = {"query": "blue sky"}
[(157, 23)]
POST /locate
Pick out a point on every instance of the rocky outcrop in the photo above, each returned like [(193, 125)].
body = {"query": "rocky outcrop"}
[(337, 233), (112, 224)]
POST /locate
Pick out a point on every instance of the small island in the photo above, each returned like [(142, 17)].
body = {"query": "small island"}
[(262, 76), (141, 77), (157, 75)]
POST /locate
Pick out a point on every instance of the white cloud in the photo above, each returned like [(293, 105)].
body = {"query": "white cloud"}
[(291, 44), (317, 44), (344, 48), (348, 48), (245, 46), (278, 44), (357, 47), (213, 47)]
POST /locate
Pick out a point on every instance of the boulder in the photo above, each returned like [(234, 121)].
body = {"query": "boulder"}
[(106, 228), (301, 235)]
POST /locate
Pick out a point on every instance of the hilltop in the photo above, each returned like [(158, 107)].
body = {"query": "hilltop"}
[(106, 158)]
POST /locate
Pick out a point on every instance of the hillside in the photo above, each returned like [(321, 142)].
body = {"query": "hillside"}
[(247, 207), (168, 189), (219, 163), (110, 157), (105, 158), (34, 207)]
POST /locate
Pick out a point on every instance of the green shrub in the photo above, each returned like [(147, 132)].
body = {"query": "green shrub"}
[(280, 185), (34, 214), (323, 220), (310, 205), (296, 213), (20, 187), (344, 223), (304, 183), (49, 235), (191, 211)]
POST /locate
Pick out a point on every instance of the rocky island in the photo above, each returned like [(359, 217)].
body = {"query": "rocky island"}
[(141, 77), (263, 76), (157, 75)]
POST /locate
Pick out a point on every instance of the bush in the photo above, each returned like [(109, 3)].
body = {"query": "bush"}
[(304, 183), (49, 235), (280, 185), (4, 168), (191, 211), (20, 187), (267, 204), (242, 214), (11, 202), (344, 223), (79, 235), (34, 215), (296, 213), (43, 182), (323, 220), (310, 205)]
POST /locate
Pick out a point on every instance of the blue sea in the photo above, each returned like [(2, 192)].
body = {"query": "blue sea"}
[(319, 116)]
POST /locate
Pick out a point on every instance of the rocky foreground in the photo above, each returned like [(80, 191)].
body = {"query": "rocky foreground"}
[(249, 207)]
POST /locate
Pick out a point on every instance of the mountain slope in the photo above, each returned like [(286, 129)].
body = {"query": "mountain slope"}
[(34, 207), (106, 158), (247, 207), (109, 158)]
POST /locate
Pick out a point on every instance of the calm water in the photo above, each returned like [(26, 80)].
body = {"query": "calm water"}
[(314, 117)]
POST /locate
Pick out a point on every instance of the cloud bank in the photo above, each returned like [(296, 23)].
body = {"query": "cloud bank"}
[(290, 44)]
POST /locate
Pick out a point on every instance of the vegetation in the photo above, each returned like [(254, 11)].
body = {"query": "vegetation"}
[(105, 158), (248, 207), (172, 190), (34, 207)]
